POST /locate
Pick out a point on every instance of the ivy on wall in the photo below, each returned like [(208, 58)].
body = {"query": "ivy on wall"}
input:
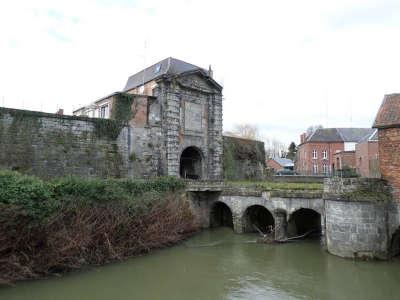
[(122, 108), (237, 151), (121, 114)]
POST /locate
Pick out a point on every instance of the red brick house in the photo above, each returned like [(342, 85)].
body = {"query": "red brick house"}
[(388, 123), (319, 153)]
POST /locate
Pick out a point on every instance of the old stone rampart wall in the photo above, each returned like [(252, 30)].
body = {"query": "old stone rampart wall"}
[(50, 145), (243, 158)]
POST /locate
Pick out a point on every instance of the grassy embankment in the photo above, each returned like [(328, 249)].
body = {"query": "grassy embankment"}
[(51, 227)]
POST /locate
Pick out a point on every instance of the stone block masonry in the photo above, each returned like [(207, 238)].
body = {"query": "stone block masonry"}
[(50, 145), (356, 229)]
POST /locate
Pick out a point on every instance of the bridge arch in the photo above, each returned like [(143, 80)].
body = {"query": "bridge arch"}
[(395, 244), (221, 215), (257, 216), (304, 220), (191, 163)]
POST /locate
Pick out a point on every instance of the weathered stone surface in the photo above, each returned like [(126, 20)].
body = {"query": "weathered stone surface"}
[(243, 158), (357, 229), (357, 189), (352, 229), (49, 145)]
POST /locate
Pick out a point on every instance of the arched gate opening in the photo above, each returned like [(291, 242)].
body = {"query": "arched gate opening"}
[(221, 215), (190, 166), (305, 221), (258, 218)]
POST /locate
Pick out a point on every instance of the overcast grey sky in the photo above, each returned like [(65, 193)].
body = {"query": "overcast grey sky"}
[(284, 65)]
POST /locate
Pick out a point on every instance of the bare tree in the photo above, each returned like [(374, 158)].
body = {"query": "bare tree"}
[(274, 148), (311, 129), (247, 131)]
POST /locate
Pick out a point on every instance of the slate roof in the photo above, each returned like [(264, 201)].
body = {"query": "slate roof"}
[(389, 112), (371, 137), (169, 65), (285, 162), (347, 135), (374, 136), (325, 135)]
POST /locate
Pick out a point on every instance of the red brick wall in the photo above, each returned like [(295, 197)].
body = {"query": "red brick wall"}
[(346, 158), (305, 161), (366, 155), (274, 165), (389, 158)]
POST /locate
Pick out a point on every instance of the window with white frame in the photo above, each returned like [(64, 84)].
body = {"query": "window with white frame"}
[(325, 154), (314, 154), (325, 168), (315, 168), (104, 111)]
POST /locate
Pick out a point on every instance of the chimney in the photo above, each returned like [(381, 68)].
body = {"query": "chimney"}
[(210, 71), (302, 138), (60, 112)]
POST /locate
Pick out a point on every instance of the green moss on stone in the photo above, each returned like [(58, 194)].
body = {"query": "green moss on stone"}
[(367, 195)]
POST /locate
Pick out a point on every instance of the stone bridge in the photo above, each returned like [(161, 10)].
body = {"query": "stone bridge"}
[(285, 214), (248, 210), (365, 225)]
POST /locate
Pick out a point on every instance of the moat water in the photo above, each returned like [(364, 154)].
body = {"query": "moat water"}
[(218, 264)]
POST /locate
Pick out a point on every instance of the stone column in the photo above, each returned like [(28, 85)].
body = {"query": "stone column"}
[(172, 115), (280, 225), (238, 225), (215, 136)]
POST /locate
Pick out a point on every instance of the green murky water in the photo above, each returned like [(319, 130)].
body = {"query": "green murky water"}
[(219, 264)]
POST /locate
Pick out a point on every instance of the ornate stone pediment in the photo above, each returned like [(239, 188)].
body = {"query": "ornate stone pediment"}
[(197, 81)]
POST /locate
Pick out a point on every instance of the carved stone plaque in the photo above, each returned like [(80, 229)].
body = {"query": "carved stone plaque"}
[(193, 116)]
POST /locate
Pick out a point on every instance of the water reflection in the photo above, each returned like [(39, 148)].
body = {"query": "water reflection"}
[(219, 264)]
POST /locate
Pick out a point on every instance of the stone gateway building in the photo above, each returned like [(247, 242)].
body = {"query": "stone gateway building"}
[(176, 123), (167, 120)]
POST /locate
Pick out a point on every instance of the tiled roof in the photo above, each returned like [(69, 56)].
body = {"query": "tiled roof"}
[(389, 112), (353, 135), (166, 66)]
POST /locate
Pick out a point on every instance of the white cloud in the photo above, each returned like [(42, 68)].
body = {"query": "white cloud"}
[(284, 64)]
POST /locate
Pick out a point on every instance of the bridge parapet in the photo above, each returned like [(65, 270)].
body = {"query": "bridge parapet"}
[(204, 186)]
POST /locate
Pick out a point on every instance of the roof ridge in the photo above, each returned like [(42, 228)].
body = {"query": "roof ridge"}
[(372, 135), (340, 134), (312, 134)]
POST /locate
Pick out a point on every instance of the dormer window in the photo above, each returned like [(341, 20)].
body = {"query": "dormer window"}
[(158, 68), (104, 111)]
